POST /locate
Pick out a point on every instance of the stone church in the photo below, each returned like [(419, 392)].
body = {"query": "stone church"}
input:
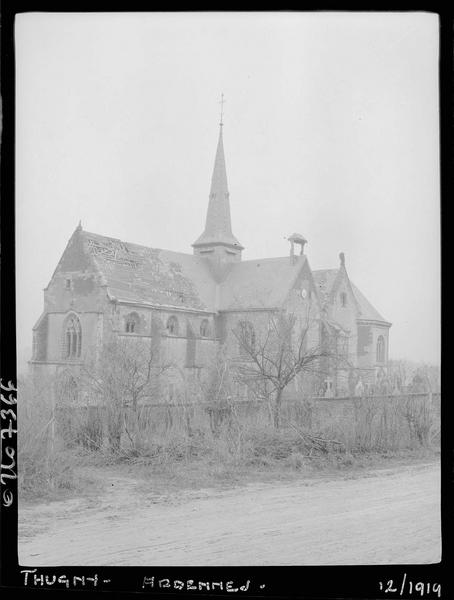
[(104, 286)]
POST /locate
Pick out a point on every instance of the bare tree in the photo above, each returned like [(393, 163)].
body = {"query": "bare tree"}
[(397, 370), (414, 377), (431, 373), (268, 363), (217, 385), (124, 373)]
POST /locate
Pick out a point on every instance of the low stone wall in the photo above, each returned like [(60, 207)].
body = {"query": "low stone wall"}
[(361, 423)]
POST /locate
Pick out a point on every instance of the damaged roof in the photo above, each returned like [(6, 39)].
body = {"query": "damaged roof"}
[(137, 273)]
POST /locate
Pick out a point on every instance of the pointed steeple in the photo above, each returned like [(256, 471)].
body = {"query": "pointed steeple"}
[(218, 227)]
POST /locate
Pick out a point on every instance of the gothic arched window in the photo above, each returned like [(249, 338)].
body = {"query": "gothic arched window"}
[(172, 325), (132, 323), (380, 349), (72, 337), (205, 328)]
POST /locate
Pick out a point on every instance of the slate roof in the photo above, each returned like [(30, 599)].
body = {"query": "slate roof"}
[(137, 273), (218, 226), (325, 279), (368, 312), (262, 283), (142, 274)]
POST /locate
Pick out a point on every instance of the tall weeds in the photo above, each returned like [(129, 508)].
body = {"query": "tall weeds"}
[(235, 432), (231, 436), (44, 463)]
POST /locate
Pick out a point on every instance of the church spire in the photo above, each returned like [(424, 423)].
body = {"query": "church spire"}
[(218, 227)]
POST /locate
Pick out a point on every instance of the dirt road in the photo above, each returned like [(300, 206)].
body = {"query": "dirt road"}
[(391, 516)]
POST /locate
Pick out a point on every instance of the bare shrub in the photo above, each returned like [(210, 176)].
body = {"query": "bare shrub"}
[(365, 416), (43, 464), (245, 435), (419, 417), (332, 432), (296, 461), (378, 424), (79, 426)]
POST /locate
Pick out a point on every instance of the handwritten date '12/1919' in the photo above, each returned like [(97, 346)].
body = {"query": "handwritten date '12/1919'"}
[(410, 588)]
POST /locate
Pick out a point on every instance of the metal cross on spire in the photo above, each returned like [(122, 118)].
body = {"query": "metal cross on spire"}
[(222, 102)]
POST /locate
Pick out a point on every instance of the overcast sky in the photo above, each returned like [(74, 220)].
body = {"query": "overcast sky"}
[(331, 130)]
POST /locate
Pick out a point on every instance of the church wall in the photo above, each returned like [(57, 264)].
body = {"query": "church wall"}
[(206, 350), (89, 327), (42, 371), (144, 319), (187, 348), (40, 339), (368, 334), (227, 323), (376, 332), (305, 310), (200, 347), (302, 302), (365, 344), (346, 317), (69, 292), (75, 287), (84, 293), (118, 314), (187, 352), (75, 284), (173, 349), (220, 326), (259, 320)]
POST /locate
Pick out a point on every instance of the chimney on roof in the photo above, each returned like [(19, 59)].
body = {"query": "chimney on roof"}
[(296, 238), (342, 259)]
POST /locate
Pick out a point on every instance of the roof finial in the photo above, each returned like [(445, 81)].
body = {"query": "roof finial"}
[(342, 259), (79, 227), (222, 102)]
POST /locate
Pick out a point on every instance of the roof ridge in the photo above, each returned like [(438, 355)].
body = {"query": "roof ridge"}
[(270, 258), (366, 304), (115, 239), (324, 270)]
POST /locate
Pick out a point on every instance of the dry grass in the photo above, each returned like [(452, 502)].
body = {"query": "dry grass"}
[(45, 460), (381, 428), (188, 444)]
